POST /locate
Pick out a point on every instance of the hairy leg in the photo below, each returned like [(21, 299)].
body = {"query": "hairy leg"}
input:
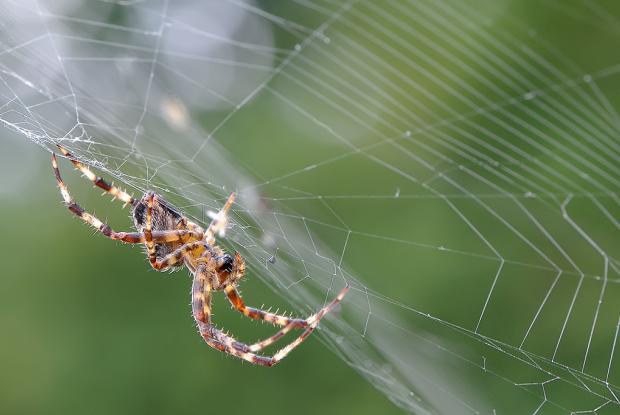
[(129, 237), (227, 344), (219, 221), (98, 181)]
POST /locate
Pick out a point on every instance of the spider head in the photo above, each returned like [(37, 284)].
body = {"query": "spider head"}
[(164, 217), (228, 263)]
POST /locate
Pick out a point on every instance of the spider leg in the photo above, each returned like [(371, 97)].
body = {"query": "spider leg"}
[(219, 221), (177, 255), (254, 313), (129, 237), (173, 235), (227, 344), (257, 314), (202, 288), (312, 320), (271, 340), (148, 233), (98, 181)]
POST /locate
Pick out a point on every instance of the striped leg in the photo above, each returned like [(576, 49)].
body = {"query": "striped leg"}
[(129, 237), (219, 221), (98, 181), (176, 256), (87, 217), (237, 302), (260, 345), (174, 235), (257, 314), (148, 233), (312, 320), (227, 344), (202, 287)]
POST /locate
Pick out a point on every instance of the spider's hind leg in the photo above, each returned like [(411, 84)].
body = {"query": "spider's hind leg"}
[(98, 181)]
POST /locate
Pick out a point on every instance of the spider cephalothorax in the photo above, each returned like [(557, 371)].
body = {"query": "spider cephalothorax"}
[(171, 240)]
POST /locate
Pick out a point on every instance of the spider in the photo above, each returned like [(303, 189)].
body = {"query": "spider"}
[(171, 241)]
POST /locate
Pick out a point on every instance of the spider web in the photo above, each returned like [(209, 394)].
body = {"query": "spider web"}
[(456, 163)]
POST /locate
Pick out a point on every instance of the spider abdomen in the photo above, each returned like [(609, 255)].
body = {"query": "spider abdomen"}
[(164, 218)]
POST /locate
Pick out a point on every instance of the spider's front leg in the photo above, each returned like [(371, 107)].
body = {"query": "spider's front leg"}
[(219, 221)]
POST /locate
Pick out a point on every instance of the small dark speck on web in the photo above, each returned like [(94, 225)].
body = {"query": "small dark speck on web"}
[(272, 258)]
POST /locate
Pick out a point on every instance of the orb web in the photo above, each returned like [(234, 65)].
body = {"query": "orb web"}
[(454, 162)]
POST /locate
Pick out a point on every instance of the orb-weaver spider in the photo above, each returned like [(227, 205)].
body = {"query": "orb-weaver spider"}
[(171, 241)]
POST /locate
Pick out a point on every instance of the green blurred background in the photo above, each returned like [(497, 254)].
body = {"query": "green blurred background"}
[(89, 328)]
